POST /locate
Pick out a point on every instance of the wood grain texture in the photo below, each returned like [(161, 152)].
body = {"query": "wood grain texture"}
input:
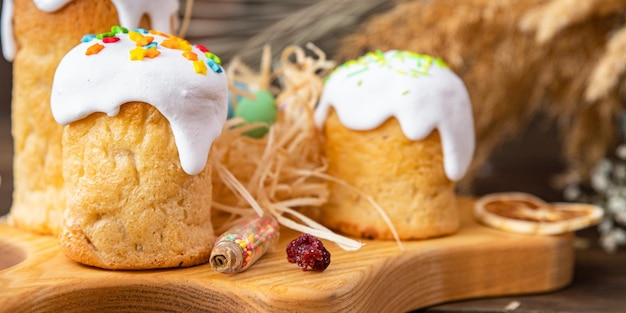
[(476, 262)]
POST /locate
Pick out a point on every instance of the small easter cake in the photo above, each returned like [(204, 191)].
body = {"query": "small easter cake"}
[(36, 34), (399, 128), (141, 110)]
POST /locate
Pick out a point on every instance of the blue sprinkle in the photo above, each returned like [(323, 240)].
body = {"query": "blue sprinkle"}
[(142, 31), (214, 66), (88, 38), (150, 45)]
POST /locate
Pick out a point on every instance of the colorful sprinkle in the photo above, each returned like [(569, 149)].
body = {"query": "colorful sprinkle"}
[(213, 57), (142, 31), (94, 49), (104, 35), (214, 66), (119, 29), (191, 56), (170, 43), (253, 237), (88, 38), (156, 32), (137, 54), (135, 36), (184, 45), (145, 40), (199, 67), (152, 53), (110, 39), (202, 48), (150, 45), (418, 64), (358, 72)]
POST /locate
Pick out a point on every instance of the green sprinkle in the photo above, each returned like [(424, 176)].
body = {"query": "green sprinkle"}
[(119, 29), (404, 93), (358, 72), (103, 35)]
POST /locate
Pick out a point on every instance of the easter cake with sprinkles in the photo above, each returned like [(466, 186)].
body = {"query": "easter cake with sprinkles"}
[(36, 35), (140, 110), (398, 126)]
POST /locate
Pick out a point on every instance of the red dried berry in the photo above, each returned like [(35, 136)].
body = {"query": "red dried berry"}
[(309, 253)]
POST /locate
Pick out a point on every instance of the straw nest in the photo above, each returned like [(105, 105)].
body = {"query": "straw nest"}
[(283, 173)]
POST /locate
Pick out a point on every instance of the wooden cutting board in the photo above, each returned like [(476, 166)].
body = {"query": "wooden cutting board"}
[(476, 262)]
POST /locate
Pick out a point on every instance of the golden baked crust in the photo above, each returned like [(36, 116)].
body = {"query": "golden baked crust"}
[(42, 39), (130, 204), (406, 178)]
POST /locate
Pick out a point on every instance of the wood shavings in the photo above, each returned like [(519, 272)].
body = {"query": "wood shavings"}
[(280, 173)]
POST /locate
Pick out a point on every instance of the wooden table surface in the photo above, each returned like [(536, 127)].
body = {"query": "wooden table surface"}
[(599, 280)]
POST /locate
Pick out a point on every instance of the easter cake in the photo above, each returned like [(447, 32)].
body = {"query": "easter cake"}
[(141, 110), (398, 127), (35, 36)]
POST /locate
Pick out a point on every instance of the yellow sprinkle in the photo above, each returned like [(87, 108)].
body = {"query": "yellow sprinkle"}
[(135, 36), (199, 67), (184, 45), (137, 54)]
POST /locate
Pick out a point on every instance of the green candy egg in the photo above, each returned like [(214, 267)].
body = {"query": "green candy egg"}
[(262, 109)]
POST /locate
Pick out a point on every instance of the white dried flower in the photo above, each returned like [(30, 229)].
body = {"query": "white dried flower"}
[(616, 204), (572, 193), (620, 152), (608, 243), (620, 217), (600, 182), (605, 226), (619, 172), (619, 235)]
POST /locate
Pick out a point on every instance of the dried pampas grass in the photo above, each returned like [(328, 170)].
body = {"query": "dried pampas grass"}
[(282, 173), (240, 28), (561, 58)]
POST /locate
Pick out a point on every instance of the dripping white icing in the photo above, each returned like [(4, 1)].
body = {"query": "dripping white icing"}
[(196, 105), (418, 90), (129, 14)]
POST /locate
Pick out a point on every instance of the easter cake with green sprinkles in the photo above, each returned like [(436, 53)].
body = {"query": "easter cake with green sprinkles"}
[(399, 128), (141, 110)]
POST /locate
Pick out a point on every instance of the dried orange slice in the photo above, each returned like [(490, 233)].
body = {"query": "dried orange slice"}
[(524, 213)]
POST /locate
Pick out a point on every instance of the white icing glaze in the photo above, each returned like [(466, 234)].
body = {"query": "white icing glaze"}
[(129, 14), (419, 91), (50, 5), (6, 31), (196, 105)]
